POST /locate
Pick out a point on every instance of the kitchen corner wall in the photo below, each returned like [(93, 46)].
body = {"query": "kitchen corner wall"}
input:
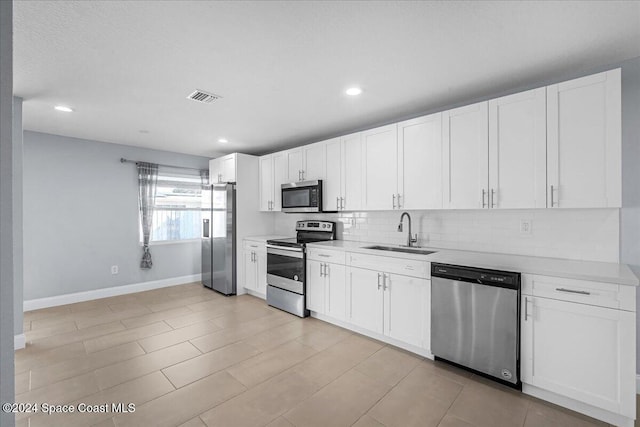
[(81, 217), (583, 234)]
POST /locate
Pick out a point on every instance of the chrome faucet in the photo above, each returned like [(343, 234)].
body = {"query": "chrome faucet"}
[(410, 240)]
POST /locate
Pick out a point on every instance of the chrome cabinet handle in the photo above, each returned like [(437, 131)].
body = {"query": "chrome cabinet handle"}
[(321, 272), (399, 201), (483, 203), (379, 280), (526, 308), (337, 203), (384, 282), (572, 291), (302, 171), (394, 201), (493, 205), (324, 255), (342, 203), (326, 270), (552, 189)]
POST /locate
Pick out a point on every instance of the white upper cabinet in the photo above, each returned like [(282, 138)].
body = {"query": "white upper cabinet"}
[(517, 151), (379, 150), (334, 176), (295, 165), (584, 142), (266, 183), (279, 177), (466, 151), (314, 161), (352, 160), (222, 169), (419, 178)]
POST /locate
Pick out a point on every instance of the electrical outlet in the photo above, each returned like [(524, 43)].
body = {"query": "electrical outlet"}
[(114, 269), (526, 226)]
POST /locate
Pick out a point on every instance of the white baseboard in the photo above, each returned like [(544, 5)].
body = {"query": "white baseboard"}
[(38, 303), (19, 341)]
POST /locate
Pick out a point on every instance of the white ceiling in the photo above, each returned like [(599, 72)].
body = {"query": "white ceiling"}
[(282, 67)]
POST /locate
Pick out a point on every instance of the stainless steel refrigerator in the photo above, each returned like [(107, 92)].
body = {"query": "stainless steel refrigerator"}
[(219, 238)]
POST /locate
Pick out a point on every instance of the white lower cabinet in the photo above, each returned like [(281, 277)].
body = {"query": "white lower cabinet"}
[(326, 289), (580, 351), (389, 304), (254, 263)]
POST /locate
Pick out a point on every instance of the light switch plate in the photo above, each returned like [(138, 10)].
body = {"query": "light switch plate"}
[(526, 226)]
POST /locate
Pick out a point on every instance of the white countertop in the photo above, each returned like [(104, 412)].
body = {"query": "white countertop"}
[(572, 269)]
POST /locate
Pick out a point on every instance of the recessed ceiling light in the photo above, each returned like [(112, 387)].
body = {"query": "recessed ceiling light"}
[(63, 108), (353, 91), (222, 141)]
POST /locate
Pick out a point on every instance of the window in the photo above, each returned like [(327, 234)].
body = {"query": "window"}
[(177, 208)]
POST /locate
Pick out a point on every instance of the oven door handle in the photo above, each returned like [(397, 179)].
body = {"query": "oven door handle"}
[(292, 253)]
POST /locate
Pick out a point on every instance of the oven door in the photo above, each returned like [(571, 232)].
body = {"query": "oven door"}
[(286, 268), (305, 196)]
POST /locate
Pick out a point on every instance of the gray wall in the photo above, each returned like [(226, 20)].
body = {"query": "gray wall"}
[(81, 217), (630, 212), (6, 211), (17, 217)]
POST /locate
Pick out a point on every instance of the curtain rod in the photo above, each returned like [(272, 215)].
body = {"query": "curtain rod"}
[(123, 160)]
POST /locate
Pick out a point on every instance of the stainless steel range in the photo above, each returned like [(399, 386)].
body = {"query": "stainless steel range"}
[(287, 264)]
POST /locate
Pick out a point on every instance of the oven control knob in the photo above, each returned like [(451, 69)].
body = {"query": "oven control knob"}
[(295, 277), (324, 225)]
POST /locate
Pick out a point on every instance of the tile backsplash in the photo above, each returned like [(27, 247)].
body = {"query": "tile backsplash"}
[(584, 234)]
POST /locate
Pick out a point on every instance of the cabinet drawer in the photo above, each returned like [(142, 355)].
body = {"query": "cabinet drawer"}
[(406, 267), (324, 255), (252, 245), (581, 291)]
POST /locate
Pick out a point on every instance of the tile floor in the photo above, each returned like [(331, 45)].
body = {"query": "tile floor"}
[(186, 356)]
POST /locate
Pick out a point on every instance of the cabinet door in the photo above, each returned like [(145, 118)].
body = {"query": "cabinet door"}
[(315, 287), (336, 295), (332, 189), (250, 276), (584, 142), (215, 171), (261, 272), (364, 299), (580, 351), (379, 182), (405, 300), (279, 177), (228, 168), (352, 161), (466, 151), (294, 165), (517, 151), (420, 163), (266, 183), (315, 157)]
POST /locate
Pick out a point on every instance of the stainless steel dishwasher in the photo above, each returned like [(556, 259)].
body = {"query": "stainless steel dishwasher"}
[(475, 320)]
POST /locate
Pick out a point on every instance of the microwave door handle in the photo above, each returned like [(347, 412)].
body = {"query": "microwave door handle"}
[(205, 228)]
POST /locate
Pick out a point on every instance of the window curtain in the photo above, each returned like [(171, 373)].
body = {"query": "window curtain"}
[(147, 183)]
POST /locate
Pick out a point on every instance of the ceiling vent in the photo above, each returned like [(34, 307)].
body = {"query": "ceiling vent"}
[(202, 96)]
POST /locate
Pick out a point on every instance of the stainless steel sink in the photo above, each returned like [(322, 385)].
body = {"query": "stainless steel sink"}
[(399, 249)]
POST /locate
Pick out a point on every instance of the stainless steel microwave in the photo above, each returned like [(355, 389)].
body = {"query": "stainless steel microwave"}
[(303, 196)]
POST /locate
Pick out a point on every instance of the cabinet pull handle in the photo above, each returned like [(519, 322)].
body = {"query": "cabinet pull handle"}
[(493, 205), (326, 270), (399, 201), (572, 291), (384, 282), (526, 308), (552, 189), (342, 203), (302, 174), (337, 203), (379, 281), (324, 255), (394, 201), (483, 203), (321, 271)]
